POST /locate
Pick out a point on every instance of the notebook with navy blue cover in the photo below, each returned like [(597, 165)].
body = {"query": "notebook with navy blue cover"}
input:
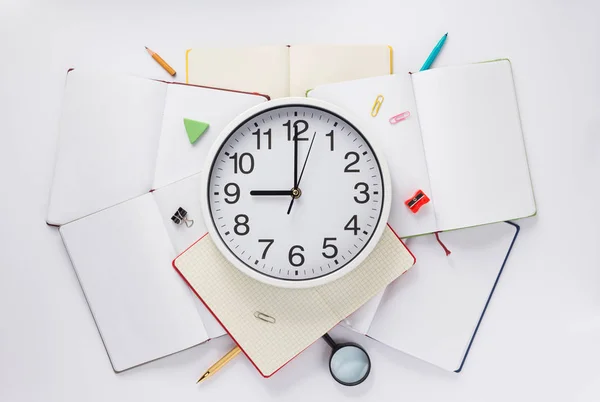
[(435, 310)]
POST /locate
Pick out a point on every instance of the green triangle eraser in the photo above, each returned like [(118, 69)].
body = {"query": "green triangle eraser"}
[(194, 129)]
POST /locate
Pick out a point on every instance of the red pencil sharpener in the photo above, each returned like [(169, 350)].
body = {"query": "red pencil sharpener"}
[(416, 201)]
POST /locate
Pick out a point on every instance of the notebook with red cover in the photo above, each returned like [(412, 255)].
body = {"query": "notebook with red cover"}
[(300, 316)]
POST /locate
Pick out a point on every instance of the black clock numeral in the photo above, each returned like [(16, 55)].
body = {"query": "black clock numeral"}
[(239, 163), (330, 135), (269, 244), (267, 133), (334, 249), (235, 193), (365, 192), (354, 222), (297, 130), (241, 221), (296, 255), (356, 159)]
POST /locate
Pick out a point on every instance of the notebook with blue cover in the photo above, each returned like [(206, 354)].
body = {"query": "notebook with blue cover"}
[(434, 310)]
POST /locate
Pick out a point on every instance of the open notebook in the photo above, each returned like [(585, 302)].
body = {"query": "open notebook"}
[(434, 312), (122, 256), (121, 136), (300, 316), (281, 71), (462, 144)]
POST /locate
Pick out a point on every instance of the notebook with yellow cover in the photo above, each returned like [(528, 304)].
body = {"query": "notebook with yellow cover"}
[(299, 316), (281, 71)]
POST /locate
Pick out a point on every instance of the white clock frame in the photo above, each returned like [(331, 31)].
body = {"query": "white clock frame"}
[(302, 283)]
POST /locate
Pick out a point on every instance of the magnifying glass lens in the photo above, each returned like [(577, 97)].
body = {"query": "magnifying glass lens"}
[(350, 365)]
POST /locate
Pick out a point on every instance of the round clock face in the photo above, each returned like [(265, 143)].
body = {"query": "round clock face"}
[(296, 195)]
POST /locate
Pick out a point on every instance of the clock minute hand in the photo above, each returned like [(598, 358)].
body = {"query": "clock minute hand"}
[(288, 193), (298, 191), (295, 159), (307, 155)]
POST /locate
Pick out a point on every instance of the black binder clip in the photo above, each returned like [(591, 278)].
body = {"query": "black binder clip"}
[(180, 217)]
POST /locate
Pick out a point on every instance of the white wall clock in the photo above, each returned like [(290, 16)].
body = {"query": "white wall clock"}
[(296, 196)]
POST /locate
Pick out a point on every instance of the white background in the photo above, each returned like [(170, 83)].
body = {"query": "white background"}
[(540, 339)]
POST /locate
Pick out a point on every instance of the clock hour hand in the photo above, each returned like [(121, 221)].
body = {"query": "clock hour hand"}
[(288, 193)]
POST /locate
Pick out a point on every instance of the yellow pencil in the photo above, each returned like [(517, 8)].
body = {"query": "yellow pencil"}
[(218, 365), (160, 61)]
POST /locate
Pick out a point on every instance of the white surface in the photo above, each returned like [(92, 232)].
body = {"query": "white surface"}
[(539, 339), (143, 311), (473, 144), (432, 312)]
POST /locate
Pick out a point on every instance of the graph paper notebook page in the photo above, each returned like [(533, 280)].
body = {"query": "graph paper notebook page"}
[(281, 71), (462, 144), (301, 315), (121, 136), (433, 311), (122, 256)]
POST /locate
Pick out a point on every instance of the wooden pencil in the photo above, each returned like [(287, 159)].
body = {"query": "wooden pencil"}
[(160, 61)]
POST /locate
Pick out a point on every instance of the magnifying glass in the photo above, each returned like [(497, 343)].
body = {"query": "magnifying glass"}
[(349, 363)]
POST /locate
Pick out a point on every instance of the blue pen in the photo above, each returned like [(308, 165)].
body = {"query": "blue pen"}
[(434, 53)]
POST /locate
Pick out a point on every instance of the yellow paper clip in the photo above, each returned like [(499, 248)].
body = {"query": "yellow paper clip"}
[(377, 105), (264, 317)]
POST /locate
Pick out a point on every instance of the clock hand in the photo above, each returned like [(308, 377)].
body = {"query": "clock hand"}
[(299, 192), (306, 160), (295, 159), (272, 192)]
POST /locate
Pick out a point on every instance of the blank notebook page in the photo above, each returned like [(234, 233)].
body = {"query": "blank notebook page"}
[(187, 194), (109, 132), (400, 143), (176, 158), (263, 69), (473, 144), (122, 257), (432, 312), (312, 65), (361, 319), (301, 315)]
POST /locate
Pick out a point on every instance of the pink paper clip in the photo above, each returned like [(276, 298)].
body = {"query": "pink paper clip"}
[(399, 117)]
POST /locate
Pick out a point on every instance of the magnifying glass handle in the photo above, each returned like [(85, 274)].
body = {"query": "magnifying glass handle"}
[(329, 341)]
